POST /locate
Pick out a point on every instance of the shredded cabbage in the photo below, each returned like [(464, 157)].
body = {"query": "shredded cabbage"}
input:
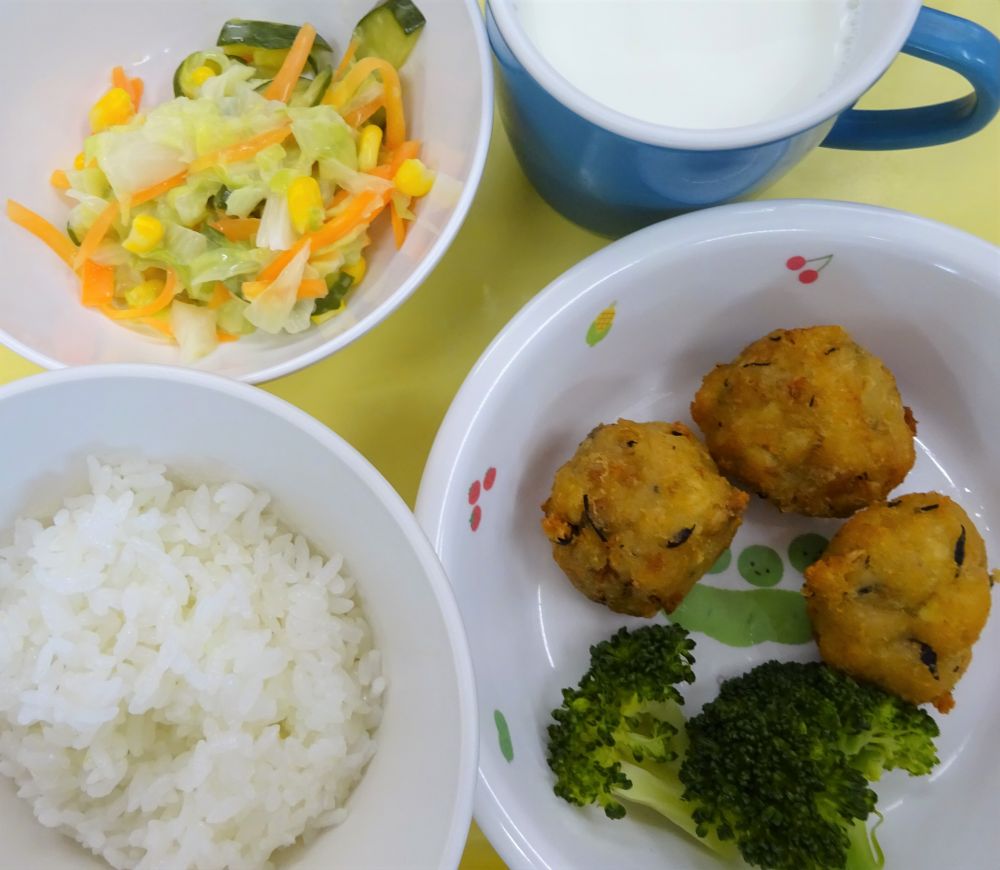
[(323, 135), (194, 329), (272, 310), (276, 231)]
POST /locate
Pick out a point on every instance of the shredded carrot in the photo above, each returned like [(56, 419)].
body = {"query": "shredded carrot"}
[(352, 49), (59, 180), (243, 150), (362, 209), (220, 296), (395, 119), (237, 229), (95, 235), (406, 151), (398, 225), (338, 198), (97, 284), (135, 90), (42, 229), (158, 304), (119, 79), (132, 87), (312, 288), (223, 337), (273, 269), (158, 189), (361, 114), (295, 61)]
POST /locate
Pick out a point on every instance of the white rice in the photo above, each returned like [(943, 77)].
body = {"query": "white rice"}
[(184, 682)]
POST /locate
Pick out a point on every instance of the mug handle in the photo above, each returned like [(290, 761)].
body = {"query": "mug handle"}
[(961, 45)]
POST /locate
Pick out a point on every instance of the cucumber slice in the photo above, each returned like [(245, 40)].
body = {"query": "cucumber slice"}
[(389, 31), (73, 237), (309, 92), (220, 199), (213, 235), (264, 44), (267, 61), (184, 82), (338, 284), (263, 34)]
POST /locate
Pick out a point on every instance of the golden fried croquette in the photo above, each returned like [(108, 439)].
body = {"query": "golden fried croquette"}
[(901, 595), (808, 419), (639, 514)]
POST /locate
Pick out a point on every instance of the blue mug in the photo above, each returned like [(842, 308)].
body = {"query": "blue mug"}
[(613, 174)]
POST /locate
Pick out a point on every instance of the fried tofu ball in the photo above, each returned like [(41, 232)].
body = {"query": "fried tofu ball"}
[(639, 514), (901, 595), (809, 420)]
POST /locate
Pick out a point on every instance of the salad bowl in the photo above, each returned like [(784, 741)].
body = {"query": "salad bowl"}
[(447, 96)]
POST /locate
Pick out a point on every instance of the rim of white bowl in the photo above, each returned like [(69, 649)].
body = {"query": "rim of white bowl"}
[(413, 280), (440, 586), (808, 215), (842, 95)]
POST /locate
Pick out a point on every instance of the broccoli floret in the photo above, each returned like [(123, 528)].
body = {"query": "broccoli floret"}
[(780, 762), (620, 733), (777, 768)]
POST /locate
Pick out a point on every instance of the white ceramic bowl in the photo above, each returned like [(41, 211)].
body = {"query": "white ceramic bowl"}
[(413, 806), (688, 293), (448, 92)]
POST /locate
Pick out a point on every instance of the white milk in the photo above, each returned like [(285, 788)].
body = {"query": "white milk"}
[(698, 64)]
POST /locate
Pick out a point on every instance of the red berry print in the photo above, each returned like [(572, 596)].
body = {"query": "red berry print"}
[(807, 276), (476, 491)]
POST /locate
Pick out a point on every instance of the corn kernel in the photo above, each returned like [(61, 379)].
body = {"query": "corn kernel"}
[(305, 204), (201, 75), (356, 270), (143, 294), (368, 147), (79, 162), (145, 234), (413, 178), (115, 107), (325, 316)]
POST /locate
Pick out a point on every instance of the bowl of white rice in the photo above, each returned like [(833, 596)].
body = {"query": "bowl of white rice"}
[(224, 641)]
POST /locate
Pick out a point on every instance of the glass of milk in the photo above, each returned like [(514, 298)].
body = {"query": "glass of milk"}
[(623, 112)]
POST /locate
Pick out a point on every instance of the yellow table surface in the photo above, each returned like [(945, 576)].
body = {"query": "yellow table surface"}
[(388, 392)]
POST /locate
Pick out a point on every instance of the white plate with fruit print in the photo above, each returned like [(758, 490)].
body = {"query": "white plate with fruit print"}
[(630, 332)]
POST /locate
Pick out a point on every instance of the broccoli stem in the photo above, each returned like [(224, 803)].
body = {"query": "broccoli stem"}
[(864, 853), (664, 793)]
